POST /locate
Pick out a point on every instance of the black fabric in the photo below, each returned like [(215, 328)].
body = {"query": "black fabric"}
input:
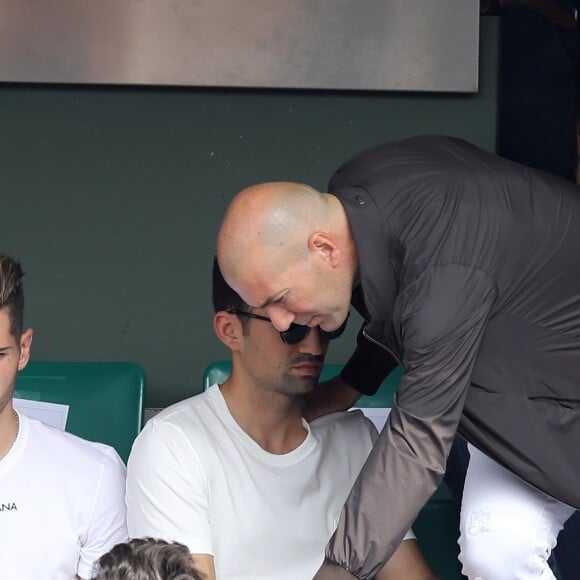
[(363, 377), (537, 97)]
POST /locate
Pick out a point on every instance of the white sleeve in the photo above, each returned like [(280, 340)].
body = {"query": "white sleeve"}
[(167, 492), (107, 526)]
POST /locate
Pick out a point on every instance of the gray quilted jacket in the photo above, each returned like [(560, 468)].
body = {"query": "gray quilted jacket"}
[(470, 279)]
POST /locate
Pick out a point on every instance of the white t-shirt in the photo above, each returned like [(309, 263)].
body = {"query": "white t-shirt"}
[(195, 476), (61, 504)]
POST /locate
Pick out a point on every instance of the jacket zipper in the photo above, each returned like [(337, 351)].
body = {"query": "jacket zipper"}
[(384, 347)]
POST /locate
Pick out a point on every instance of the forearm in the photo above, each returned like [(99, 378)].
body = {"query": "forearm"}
[(329, 397), (396, 481), (331, 571), (407, 563)]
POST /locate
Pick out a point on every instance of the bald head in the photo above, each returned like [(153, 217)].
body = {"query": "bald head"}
[(288, 248), (270, 223)]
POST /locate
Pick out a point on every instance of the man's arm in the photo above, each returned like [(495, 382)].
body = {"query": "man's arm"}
[(107, 526), (407, 563), (362, 375), (167, 491), (443, 319), (330, 397)]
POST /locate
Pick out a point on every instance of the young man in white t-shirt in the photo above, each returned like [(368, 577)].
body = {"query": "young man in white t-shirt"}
[(61, 498), (238, 476)]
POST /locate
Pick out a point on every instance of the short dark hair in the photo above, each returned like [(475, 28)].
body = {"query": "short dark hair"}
[(147, 559), (226, 298), (12, 293)]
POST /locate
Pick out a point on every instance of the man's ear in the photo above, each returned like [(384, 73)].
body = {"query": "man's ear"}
[(228, 329), (325, 246), (25, 344)]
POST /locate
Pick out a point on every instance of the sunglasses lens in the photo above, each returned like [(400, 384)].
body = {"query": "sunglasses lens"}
[(295, 333)]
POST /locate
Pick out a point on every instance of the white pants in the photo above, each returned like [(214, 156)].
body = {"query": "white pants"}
[(508, 528)]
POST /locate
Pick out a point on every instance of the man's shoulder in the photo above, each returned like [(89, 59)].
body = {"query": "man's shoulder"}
[(192, 419), (182, 412), (346, 438), (349, 423), (65, 449)]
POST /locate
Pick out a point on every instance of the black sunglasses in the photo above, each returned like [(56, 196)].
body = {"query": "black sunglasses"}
[(295, 332)]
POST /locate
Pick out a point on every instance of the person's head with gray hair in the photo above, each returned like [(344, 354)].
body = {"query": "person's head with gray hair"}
[(147, 559)]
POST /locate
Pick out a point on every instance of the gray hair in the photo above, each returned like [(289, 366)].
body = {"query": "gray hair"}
[(147, 559)]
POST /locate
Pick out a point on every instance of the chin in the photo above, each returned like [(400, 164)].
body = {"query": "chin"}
[(333, 323), (301, 386)]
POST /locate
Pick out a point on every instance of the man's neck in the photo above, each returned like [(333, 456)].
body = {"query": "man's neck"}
[(8, 429), (272, 420), (346, 240)]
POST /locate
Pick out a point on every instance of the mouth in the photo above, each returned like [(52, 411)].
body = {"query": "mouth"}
[(309, 368)]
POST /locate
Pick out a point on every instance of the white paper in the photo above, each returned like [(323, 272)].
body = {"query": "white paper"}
[(378, 415), (53, 414)]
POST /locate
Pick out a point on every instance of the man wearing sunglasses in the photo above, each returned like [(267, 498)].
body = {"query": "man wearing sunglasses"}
[(238, 476)]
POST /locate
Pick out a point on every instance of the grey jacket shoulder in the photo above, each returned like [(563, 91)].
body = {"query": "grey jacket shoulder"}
[(468, 267)]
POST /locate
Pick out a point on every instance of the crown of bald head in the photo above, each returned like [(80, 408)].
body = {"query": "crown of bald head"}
[(268, 225)]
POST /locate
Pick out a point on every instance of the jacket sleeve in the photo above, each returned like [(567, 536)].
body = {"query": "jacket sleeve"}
[(443, 316), (368, 367)]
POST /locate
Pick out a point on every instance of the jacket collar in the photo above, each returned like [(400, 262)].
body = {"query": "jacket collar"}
[(378, 276)]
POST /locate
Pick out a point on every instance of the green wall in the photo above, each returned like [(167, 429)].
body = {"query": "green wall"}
[(112, 197)]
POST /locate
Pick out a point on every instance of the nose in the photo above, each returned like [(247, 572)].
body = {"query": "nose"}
[(280, 316)]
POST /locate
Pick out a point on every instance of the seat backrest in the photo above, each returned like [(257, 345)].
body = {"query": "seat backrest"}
[(105, 399)]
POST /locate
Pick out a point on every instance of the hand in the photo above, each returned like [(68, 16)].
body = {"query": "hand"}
[(329, 397), (330, 571), (407, 563)]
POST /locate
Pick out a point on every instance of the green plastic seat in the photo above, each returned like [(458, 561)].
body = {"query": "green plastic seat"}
[(437, 526), (105, 399)]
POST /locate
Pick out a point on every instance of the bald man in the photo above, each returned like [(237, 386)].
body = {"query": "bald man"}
[(465, 268)]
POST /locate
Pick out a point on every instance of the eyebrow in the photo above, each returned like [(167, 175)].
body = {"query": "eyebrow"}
[(264, 304), (273, 299)]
